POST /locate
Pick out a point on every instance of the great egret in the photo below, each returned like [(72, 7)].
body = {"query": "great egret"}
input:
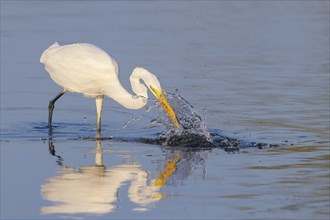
[(85, 68)]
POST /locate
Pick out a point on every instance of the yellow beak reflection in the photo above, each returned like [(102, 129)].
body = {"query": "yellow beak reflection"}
[(161, 97)]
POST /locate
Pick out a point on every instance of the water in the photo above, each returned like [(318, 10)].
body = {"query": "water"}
[(193, 132), (255, 72)]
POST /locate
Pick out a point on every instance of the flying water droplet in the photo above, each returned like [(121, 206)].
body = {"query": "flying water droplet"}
[(193, 127), (135, 118), (150, 107)]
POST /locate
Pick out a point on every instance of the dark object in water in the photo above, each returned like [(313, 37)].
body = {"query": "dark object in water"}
[(194, 132), (226, 143), (198, 141), (191, 140), (186, 139)]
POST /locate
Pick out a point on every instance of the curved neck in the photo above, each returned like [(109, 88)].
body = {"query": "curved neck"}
[(117, 92)]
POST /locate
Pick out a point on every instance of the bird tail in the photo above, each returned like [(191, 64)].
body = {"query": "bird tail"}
[(48, 52)]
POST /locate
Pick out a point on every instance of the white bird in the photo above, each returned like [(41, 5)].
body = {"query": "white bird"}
[(85, 68)]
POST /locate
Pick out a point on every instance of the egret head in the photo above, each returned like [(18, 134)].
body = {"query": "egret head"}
[(153, 84)]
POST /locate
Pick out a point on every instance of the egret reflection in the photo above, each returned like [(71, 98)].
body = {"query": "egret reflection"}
[(95, 189)]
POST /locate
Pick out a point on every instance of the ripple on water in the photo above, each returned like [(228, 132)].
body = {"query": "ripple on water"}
[(193, 132)]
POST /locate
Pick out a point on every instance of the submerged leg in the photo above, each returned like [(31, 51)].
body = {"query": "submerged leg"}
[(51, 107), (99, 102)]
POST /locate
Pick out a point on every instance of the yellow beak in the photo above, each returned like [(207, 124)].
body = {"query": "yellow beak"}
[(161, 97)]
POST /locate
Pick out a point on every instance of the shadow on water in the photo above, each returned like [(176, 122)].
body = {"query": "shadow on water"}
[(94, 189)]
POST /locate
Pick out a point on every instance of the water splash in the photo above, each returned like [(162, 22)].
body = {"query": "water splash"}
[(193, 130), (136, 118), (139, 117)]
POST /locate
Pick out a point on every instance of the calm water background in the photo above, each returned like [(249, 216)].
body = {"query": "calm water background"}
[(259, 69)]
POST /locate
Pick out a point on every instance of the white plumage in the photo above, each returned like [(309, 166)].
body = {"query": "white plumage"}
[(85, 68)]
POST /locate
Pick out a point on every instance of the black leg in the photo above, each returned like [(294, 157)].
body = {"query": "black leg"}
[(51, 107), (51, 146)]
